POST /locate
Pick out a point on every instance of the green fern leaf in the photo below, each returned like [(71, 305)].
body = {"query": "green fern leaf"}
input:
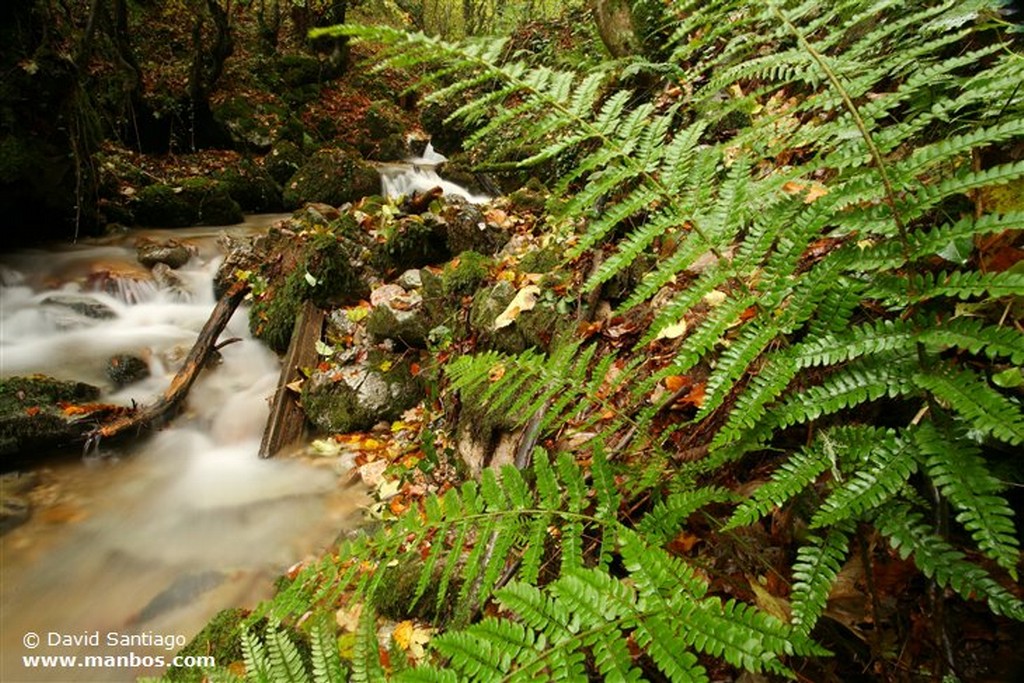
[(816, 568)]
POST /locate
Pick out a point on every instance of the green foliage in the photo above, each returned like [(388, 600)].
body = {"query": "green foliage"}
[(806, 202)]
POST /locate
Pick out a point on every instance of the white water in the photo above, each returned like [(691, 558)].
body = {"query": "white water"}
[(419, 174), (190, 514)]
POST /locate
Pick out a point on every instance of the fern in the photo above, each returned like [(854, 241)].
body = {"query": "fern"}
[(798, 202)]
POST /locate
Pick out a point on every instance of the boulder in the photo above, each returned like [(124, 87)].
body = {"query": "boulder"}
[(467, 230), (284, 159), (332, 176), (194, 201), (172, 253), (124, 369), (400, 317), (15, 506), (358, 395), (31, 418), (81, 304)]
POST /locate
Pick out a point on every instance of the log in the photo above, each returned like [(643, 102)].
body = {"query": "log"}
[(167, 406), (287, 421)]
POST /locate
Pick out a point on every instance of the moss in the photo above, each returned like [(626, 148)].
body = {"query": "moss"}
[(196, 201), (412, 242), (18, 393), (298, 70), (394, 597), (284, 159), (332, 176), (220, 639), (251, 187), (463, 275), (540, 261), (273, 316)]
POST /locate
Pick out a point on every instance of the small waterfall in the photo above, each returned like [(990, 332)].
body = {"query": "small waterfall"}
[(193, 521), (419, 174)]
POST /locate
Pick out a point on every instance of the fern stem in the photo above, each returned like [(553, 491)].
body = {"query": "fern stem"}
[(876, 155)]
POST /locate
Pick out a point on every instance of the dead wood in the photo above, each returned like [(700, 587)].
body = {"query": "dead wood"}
[(167, 406), (287, 421)]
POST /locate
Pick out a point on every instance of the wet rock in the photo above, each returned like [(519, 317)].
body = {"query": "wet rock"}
[(31, 417), (15, 507), (124, 369), (385, 138), (252, 187), (332, 176), (168, 280), (358, 395), (81, 304), (172, 253), (410, 279), (243, 255), (128, 283)]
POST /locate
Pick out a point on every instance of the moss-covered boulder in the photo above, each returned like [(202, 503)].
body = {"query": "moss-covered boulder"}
[(412, 242), (384, 128), (31, 418), (220, 638), (463, 274), (194, 201), (170, 252), (124, 369), (283, 161), (398, 314), (252, 187), (332, 176), (536, 327), (357, 396)]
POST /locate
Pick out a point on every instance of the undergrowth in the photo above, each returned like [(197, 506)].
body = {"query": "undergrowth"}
[(810, 185)]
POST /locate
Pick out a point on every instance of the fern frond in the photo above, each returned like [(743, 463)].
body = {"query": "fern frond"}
[(792, 477), (982, 407), (816, 568), (286, 663), (911, 537), (958, 470), (326, 660)]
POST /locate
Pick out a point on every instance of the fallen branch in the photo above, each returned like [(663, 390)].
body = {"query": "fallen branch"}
[(167, 406)]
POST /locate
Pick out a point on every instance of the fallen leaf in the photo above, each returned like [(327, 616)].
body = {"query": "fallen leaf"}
[(524, 300), (677, 382), (412, 638), (673, 331), (715, 298), (327, 448), (496, 372), (775, 606), (348, 618)]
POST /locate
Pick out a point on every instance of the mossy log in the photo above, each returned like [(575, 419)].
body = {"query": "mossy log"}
[(167, 406)]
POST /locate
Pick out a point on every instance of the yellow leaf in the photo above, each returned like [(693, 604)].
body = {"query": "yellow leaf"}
[(715, 298), (411, 638), (673, 331), (525, 300), (777, 607), (496, 372)]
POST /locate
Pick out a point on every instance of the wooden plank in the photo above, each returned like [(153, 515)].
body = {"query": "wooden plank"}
[(287, 421)]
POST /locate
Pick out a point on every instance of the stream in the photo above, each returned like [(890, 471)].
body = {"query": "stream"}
[(131, 550)]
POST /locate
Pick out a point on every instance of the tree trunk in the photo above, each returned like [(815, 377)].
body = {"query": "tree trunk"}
[(167, 406)]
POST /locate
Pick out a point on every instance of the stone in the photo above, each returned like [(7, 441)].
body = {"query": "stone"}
[(172, 253), (31, 417), (402, 319), (124, 369), (332, 176), (410, 279), (467, 230), (15, 507), (357, 396), (81, 304)]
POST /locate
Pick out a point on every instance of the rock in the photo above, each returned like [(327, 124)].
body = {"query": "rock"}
[(533, 328), (284, 160), (82, 304), (359, 395), (463, 275), (15, 507), (401, 318), (31, 418), (124, 369), (252, 187), (410, 279), (333, 176), (173, 253), (385, 133), (128, 283), (467, 230), (414, 241), (167, 279), (194, 201)]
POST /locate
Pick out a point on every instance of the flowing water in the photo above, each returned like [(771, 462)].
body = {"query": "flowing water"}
[(142, 543), (419, 174)]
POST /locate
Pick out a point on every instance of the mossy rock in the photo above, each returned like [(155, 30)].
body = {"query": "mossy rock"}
[(298, 70), (283, 161), (540, 260), (535, 328), (250, 124), (409, 327), (463, 275), (384, 133), (413, 242), (30, 414), (530, 197), (323, 269), (332, 176), (252, 187), (358, 396), (195, 201), (467, 230)]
